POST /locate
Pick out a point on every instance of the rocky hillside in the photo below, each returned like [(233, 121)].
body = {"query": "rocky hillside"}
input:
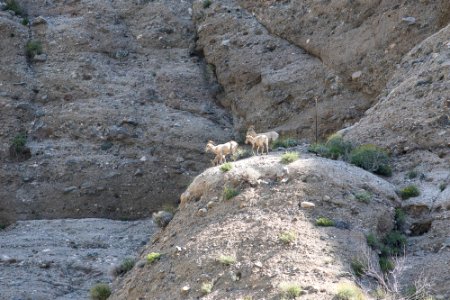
[(114, 100), (106, 107), (249, 229)]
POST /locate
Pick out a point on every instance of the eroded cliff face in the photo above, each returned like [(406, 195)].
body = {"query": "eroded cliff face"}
[(116, 110)]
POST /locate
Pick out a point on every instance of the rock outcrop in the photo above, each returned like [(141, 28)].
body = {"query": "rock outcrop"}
[(249, 226)]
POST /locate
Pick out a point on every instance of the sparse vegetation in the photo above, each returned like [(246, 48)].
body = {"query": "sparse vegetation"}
[(395, 241), (442, 186), (100, 291), (33, 48), (289, 290), (412, 174), (372, 241), (363, 196), (162, 218), (409, 192), (14, 6), (152, 257), (335, 147), (349, 291), (285, 143), (226, 260), (358, 267), (206, 287), (289, 157), (287, 237), (18, 142), (2, 226), (371, 158), (126, 265), (386, 264), (229, 192), (400, 217), (226, 167), (25, 21), (324, 221), (206, 3)]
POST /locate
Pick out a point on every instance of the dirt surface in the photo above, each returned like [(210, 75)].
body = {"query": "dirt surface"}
[(63, 259)]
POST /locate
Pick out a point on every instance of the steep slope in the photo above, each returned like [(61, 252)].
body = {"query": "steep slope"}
[(115, 109), (412, 120), (248, 228)]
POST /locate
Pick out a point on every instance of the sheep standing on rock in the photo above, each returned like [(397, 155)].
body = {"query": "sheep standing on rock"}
[(221, 151), (260, 141), (272, 135)]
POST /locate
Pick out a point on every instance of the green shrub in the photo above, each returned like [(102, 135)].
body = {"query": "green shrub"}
[(337, 147), (363, 196), (349, 291), (289, 157), (358, 267), (25, 21), (287, 237), (33, 48), (442, 186), (152, 257), (2, 226), (395, 241), (206, 287), (371, 158), (409, 191), (285, 143), (229, 193), (100, 291), (412, 174), (289, 290), (14, 6), (325, 222), (319, 149), (226, 260), (386, 264), (226, 167), (18, 143), (206, 3), (400, 217), (372, 241), (126, 265)]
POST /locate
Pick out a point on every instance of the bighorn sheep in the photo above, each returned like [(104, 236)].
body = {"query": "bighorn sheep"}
[(258, 141), (221, 150), (272, 135)]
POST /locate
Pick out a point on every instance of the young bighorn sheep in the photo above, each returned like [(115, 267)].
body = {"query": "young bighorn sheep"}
[(258, 141), (272, 135), (221, 150)]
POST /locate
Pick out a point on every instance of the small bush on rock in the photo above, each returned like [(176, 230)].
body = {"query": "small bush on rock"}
[(337, 147), (226, 167), (285, 143), (206, 288), (100, 291), (14, 6), (33, 48), (363, 196), (386, 264), (349, 291), (358, 267), (287, 237), (162, 218), (241, 154), (289, 290), (206, 3), (126, 265), (409, 192), (229, 193), (324, 221), (226, 260), (289, 157), (371, 158), (152, 257)]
